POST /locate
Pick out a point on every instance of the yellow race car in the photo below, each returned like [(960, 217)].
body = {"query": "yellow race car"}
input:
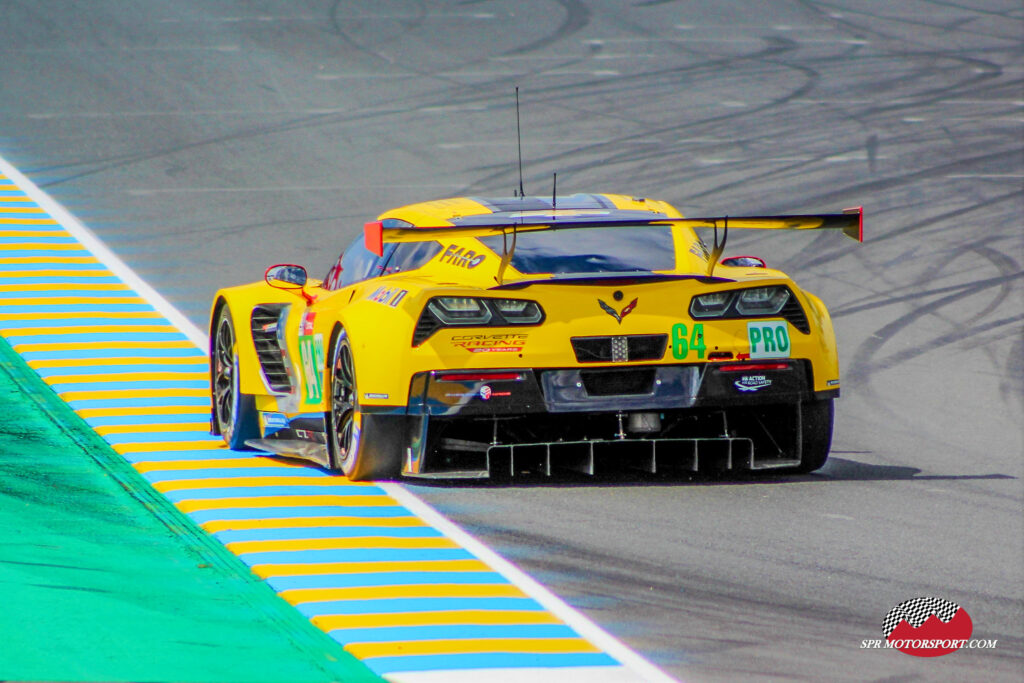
[(475, 337)]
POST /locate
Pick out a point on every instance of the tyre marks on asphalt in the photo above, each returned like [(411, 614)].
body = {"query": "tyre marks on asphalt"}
[(397, 591)]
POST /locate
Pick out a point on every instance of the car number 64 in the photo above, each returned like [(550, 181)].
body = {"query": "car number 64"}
[(682, 345)]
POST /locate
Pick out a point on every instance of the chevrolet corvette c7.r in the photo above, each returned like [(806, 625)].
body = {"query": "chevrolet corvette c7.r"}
[(470, 337)]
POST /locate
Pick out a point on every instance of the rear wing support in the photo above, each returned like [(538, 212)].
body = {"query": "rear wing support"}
[(850, 222)]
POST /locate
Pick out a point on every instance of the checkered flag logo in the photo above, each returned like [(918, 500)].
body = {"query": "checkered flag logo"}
[(916, 611)]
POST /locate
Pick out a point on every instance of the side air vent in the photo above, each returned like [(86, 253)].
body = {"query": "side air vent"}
[(427, 325), (634, 347), (266, 321), (795, 315)]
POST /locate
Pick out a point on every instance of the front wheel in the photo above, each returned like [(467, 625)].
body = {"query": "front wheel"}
[(816, 418), (233, 411), (357, 444)]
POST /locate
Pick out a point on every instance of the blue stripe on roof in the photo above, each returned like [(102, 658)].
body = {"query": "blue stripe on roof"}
[(98, 321), (328, 532), (114, 352), (393, 605), (416, 577), (220, 472), (198, 366), (294, 511), (154, 419), (134, 385), (297, 490), (158, 437), (85, 337), (451, 631), (356, 555), (486, 660), (29, 239), (59, 280)]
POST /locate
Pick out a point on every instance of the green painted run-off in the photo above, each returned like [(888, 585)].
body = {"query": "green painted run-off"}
[(102, 579)]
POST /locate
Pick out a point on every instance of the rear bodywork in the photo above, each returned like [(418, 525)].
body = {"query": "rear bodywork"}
[(604, 367)]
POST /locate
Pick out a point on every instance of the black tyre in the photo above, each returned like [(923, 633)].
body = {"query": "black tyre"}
[(233, 412), (816, 432), (358, 445)]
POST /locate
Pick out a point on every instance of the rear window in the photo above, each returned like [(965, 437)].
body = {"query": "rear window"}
[(628, 249), (411, 255)]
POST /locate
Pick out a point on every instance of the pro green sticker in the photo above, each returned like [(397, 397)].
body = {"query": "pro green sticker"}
[(768, 339)]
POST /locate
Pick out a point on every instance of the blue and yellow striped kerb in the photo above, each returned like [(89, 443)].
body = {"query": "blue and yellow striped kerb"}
[(396, 591)]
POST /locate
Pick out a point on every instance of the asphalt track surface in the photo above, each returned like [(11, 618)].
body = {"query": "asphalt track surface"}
[(203, 141)]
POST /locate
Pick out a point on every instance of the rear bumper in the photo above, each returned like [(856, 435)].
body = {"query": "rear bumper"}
[(567, 408), (609, 389)]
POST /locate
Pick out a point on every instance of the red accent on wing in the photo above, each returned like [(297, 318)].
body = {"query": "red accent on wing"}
[(373, 236), (859, 210)]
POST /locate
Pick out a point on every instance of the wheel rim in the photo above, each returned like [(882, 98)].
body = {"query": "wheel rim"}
[(343, 395), (224, 376)]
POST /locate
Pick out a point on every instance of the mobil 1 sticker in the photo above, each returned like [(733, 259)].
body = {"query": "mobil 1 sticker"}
[(768, 339)]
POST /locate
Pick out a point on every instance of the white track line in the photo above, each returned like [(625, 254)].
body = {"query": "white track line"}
[(584, 626)]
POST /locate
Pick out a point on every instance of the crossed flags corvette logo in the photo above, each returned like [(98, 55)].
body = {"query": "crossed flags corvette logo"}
[(618, 315)]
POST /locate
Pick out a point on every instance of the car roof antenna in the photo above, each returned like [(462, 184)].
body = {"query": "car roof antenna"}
[(554, 194), (519, 145)]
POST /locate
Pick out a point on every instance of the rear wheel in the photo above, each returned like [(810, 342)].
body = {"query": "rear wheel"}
[(816, 418), (358, 445), (234, 412)]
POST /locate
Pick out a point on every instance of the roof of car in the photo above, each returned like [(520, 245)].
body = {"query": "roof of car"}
[(494, 211)]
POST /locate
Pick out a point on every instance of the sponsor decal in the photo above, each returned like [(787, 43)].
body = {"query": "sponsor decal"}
[(486, 393), (618, 315), (306, 322), (311, 354), (768, 339), (389, 296), (683, 344), (927, 627), (461, 257), (273, 422), (752, 382), (490, 343), (379, 397), (275, 419)]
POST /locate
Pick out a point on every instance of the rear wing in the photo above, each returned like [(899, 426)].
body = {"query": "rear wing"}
[(376, 233), (850, 221)]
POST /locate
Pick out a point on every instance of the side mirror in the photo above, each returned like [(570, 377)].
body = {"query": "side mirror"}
[(286, 276), (744, 262)]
